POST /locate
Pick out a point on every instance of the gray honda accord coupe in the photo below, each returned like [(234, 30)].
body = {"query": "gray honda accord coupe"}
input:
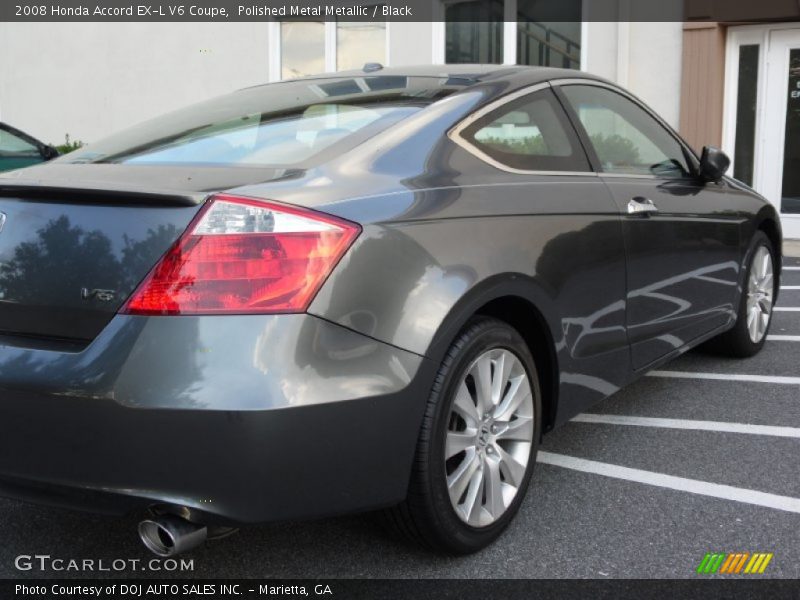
[(370, 290)]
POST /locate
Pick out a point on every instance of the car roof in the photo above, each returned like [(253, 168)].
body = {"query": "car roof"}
[(470, 74)]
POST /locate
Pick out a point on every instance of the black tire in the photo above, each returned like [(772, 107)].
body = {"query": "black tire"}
[(427, 515), (736, 342)]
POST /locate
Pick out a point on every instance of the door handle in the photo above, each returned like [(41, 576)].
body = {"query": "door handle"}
[(640, 205)]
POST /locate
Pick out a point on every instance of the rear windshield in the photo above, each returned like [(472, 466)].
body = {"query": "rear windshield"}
[(292, 124)]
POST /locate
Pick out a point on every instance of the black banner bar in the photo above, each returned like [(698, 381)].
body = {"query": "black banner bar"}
[(350, 589), (394, 10)]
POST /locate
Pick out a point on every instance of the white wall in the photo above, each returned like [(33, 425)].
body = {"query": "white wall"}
[(90, 79), (410, 43)]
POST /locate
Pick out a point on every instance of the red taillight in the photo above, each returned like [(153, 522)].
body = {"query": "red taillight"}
[(244, 256)]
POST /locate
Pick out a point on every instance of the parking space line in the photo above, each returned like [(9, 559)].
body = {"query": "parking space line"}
[(727, 377), (787, 309), (790, 287), (693, 486), (783, 338), (791, 268), (771, 430)]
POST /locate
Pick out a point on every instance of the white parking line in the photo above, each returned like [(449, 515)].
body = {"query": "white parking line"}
[(727, 377), (771, 430), (787, 309), (693, 486), (790, 287), (783, 338), (791, 268)]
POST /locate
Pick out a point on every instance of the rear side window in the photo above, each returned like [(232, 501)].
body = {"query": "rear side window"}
[(625, 137), (13, 145), (531, 134)]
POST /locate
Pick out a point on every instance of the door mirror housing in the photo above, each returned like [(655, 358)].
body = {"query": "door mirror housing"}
[(713, 164)]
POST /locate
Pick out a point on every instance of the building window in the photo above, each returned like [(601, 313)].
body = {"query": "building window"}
[(484, 31), (300, 48), (549, 44), (474, 32)]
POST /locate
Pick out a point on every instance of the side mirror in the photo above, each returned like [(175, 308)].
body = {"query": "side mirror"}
[(48, 152), (713, 164)]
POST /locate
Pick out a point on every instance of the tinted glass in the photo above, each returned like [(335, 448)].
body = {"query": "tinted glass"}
[(296, 123), (302, 48), (626, 138), (474, 32), (531, 133), (790, 202), (746, 114), (12, 145)]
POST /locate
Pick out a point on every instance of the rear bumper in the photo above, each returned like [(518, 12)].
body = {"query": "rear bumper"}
[(244, 418)]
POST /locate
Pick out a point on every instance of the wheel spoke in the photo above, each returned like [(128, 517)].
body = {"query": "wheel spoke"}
[(482, 376), (459, 441), (520, 429), (752, 324), (495, 502), (519, 391), (458, 481), (511, 468), (464, 405), (474, 499), (502, 370), (763, 321)]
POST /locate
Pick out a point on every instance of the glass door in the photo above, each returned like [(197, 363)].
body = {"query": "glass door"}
[(780, 164)]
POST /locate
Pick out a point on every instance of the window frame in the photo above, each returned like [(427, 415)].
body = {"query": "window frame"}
[(331, 47), (21, 135), (456, 134), (692, 159)]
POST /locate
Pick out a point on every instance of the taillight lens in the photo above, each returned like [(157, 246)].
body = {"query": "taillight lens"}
[(244, 256)]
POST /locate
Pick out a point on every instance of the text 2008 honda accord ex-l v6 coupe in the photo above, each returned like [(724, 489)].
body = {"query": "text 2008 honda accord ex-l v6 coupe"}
[(377, 289)]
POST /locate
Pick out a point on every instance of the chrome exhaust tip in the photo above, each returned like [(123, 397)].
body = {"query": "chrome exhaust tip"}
[(168, 535)]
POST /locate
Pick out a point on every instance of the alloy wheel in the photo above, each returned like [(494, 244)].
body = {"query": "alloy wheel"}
[(489, 437), (760, 292)]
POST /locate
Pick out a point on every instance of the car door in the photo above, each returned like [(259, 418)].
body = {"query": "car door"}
[(559, 216), (17, 150), (682, 236)]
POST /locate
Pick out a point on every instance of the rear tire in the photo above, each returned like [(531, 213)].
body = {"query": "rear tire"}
[(489, 453), (754, 315)]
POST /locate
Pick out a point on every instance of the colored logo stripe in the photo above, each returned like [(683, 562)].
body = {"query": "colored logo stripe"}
[(734, 562)]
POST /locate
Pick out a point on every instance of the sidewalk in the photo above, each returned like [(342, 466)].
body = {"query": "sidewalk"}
[(791, 248)]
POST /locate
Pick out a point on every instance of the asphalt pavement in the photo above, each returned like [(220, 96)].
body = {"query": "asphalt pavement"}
[(703, 456)]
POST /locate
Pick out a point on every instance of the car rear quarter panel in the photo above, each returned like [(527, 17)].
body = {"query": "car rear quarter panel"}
[(413, 279)]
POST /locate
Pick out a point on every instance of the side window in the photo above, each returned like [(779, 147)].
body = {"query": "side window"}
[(626, 138), (531, 133), (12, 145)]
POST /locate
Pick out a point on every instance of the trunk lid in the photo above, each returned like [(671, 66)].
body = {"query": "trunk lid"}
[(77, 239)]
